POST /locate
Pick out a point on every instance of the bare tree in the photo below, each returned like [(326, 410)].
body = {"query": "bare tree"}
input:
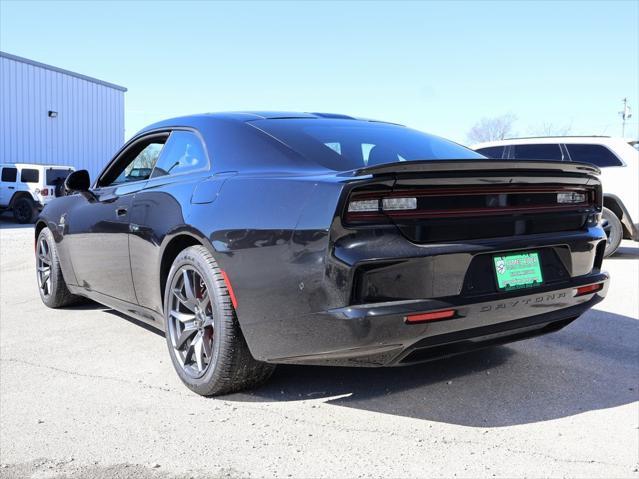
[(550, 129), (489, 129)]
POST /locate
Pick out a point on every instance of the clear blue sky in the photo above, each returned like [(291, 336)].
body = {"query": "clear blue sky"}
[(434, 66)]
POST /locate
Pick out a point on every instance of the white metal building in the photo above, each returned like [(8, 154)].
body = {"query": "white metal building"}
[(51, 115)]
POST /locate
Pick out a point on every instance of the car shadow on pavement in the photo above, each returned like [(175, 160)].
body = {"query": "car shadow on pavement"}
[(7, 222), (592, 364), (625, 252)]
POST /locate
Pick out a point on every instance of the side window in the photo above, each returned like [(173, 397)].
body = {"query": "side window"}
[(9, 174), (335, 146), (538, 152), (593, 154), (492, 151), (136, 163), (183, 153), (29, 175)]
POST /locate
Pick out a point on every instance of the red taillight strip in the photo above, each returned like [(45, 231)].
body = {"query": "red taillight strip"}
[(588, 289), (471, 191), (483, 211), (430, 316), (230, 288)]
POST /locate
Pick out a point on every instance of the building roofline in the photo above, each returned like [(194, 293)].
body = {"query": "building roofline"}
[(61, 70)]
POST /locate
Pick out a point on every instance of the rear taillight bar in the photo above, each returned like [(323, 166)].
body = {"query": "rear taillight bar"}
[(366, 206)]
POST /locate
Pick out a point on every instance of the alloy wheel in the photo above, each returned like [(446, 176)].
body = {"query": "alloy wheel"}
[(190, 321), (607, 227), (44, 266)]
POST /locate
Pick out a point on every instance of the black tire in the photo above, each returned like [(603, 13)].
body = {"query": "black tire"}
[(24, 210), (614, 231), (51, 285), (229, 367)]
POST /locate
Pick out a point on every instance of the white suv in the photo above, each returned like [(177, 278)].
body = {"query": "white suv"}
[(25, 188), (619, 163)]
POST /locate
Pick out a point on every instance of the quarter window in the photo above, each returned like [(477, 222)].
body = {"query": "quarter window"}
[(9, 174), (183, 153), (538, 152), (29, 175), (593, 154)]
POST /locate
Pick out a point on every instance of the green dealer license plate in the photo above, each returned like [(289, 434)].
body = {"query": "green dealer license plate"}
[(520, 270)]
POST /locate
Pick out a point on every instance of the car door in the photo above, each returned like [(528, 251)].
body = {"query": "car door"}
[(97, 230), (161, 207)]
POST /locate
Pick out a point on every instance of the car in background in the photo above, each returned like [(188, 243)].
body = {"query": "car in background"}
[(619, 162), (260, 238), (25, 188)]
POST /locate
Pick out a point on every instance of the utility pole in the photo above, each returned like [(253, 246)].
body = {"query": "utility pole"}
[(625, 115)]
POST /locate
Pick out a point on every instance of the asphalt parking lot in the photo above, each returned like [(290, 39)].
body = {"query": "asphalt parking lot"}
[(87, 393)]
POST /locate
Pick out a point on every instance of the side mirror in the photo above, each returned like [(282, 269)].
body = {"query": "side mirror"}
[(77, 181)]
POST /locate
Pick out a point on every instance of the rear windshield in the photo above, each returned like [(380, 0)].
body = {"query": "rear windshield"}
[(57, 175), (343, 145)]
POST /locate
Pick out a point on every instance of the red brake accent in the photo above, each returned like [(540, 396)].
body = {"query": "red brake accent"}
[(591, 288), (432, 316), (230, 288)]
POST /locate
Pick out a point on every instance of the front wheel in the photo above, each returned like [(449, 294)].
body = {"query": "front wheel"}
[(614, 231), (24, 210), (204, 339)]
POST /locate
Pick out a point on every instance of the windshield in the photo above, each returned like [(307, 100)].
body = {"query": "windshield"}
[(343, 145)]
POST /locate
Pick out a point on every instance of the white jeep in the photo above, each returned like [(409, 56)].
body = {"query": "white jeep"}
[(619, 162), (25, 188)]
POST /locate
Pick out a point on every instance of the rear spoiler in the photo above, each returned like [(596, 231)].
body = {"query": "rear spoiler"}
[(436, 166)]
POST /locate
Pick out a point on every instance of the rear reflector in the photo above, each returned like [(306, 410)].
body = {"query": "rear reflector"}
[(432, 316), (229, 288), (591, 288)]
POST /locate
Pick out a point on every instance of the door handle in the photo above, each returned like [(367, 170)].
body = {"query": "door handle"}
[(121, 211), (11, 187)]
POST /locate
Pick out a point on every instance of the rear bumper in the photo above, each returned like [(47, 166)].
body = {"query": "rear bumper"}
[(378, 335)]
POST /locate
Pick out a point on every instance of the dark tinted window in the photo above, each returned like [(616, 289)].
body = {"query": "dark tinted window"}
[(182, 153), (9, 174), (136, 162), (537, 152), (594, 154), (343, 145), (492, 151), (29, 175), (56, 175)]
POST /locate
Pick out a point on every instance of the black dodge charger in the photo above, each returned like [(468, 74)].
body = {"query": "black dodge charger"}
[(259, 238)]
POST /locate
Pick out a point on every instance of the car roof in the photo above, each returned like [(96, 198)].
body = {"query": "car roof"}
[(541, 140), (198, 120)]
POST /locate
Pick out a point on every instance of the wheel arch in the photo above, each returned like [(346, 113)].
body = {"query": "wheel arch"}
[(39, 226), (19, 195), (614, 204)]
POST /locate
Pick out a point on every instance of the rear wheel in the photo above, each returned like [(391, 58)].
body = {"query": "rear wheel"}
[(614, 231), (53, 290), (24, 210), (204, 339)]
